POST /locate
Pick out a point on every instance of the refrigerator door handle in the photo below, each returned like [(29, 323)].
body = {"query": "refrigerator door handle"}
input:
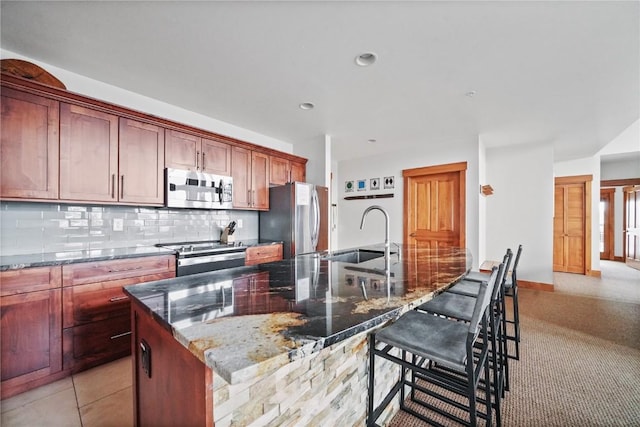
[(316, 218)]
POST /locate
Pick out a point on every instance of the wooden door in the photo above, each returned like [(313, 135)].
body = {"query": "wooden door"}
[(216, 157), (241, 173), (29, 146), (260, 180), (606, 223), (182, 150), (141, 158), (434, 206), (88, 154), (632, 226), (571, 233), (30, 327)]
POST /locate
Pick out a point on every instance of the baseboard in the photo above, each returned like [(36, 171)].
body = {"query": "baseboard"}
[(535, 285), (618, 258), (594, 273)]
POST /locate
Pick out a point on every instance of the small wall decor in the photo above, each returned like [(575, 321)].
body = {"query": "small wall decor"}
[(348, 186), (374, 184), (362, 185), (389, 182), (486, 190)]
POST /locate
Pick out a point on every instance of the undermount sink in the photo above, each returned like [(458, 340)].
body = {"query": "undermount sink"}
[(355, 256)]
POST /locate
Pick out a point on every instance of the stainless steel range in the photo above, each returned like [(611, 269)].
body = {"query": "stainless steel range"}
[(198, 257)]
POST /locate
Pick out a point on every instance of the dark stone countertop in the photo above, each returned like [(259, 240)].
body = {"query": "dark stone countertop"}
[(246, 321), (16, 262)]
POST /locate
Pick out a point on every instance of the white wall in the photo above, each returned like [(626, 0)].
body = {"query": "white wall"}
[(482, 202), (520, 211), (315, 151), (587, 166), (392, 164), (93, 88)]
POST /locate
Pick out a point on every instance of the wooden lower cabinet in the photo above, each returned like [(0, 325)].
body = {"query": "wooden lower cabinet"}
[(96, 311), (171, 387), (30, 328)]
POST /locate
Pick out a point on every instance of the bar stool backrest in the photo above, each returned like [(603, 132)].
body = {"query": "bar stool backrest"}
[(483, 300), (515, 266)]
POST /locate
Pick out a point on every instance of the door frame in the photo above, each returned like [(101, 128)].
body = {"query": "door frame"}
[(461, 169), (609, 246), (585, 180)]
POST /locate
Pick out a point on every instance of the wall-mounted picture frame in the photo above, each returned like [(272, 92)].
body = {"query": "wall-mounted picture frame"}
[(362, 184), (389, 182), (348, 186)]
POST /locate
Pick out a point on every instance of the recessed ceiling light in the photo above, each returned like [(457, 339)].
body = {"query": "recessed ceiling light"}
[(307, 106), (371, 141), (471, 93), (366, 59)]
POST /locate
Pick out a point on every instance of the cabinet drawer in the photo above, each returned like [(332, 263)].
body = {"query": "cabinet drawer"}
[(92, 302), (101, 271), (99, 341), (13, 282), (260, 254)]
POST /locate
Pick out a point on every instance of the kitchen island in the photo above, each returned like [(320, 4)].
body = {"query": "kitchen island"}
[(280, 343)]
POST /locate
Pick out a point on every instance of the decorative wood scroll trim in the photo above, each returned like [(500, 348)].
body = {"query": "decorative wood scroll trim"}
[(36, 88), (619, 182), (27, 70), (369, 196)]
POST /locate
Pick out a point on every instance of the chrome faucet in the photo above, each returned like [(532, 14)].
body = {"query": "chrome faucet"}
[(386, 229)]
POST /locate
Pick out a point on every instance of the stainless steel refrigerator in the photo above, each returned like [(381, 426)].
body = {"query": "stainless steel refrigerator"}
[(297, 216)]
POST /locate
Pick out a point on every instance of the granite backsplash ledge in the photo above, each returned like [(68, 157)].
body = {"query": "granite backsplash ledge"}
[(27, 228)]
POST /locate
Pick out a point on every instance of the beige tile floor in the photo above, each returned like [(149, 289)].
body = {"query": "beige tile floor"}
[(99, 397), (102, 397)]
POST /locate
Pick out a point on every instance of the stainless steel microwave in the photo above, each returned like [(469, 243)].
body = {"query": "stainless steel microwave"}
[(189, 189)]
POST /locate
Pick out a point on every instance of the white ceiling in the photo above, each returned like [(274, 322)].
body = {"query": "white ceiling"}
[(560, 72)]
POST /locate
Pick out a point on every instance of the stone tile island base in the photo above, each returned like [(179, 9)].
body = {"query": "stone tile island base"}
[(323, 389)]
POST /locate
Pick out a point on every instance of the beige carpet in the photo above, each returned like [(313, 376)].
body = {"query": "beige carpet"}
[(580, 363)]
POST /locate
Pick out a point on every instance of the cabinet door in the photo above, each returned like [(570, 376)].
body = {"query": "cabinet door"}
[(100, 342), (279, 171), (241, 173), (182, 151), (141, 158), (29, 146), (30, 327), (88, 154), (260, 254), (298, 172), (260, 181), (216, 157)]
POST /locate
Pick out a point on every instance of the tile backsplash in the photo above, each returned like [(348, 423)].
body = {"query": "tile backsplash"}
[(27, 228)]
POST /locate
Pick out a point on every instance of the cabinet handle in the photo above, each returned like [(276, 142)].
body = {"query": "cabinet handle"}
[(249, 193), (122, 186), (290, 177), (203, 160), (126, 269), (253, 199), (197, 159), (113, 185), (124, 334), (116, 299)]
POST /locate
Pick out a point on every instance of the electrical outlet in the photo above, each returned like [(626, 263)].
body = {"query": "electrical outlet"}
[(118, 224), (239, 223)]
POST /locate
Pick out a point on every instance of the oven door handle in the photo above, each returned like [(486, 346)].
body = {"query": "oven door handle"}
[(211, 258)]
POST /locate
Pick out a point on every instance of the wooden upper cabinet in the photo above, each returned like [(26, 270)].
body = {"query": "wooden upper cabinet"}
[(298, 172), (88, 154), (280, 171), (250, 171), (285, 170), (141, 159), (182, 150), (260, 180), (29, 146), (216, 157), (241, 173), (190, 152)]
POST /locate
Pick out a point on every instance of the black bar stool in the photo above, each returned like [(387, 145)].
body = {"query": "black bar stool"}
[(417, 341)]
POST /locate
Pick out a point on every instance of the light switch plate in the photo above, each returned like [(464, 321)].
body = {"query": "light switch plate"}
[(118, 224)]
